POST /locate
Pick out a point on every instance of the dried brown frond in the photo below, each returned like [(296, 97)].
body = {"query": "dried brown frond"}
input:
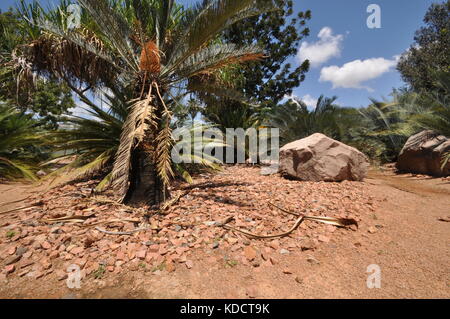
[(141, 118), (51, 54), (164, 143)]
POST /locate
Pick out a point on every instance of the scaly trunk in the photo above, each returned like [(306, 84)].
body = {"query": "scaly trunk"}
[(145, 185)]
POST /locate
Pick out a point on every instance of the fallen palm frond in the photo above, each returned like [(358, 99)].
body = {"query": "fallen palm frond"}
[(15, 201), (339, 222), (131, 232), (68, 219), (38, 204), (167, 204), (105, 222)]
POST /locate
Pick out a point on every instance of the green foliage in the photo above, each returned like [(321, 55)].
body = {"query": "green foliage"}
[(431, 50), (109, 49), (47, 98), (99, 272), (296, 121), (279, 32), (392, 123), (18, 144), (264, 82), (92, 140), (10, 234)]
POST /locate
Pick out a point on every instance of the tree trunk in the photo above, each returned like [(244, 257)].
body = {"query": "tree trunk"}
[(145, 185)]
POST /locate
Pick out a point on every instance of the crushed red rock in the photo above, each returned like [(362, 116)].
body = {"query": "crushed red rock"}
[(33, 246)]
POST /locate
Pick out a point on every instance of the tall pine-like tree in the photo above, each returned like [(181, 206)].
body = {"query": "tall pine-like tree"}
[(265, 82), (430, 52)]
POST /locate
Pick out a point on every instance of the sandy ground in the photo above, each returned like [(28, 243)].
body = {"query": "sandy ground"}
[(409, 243)]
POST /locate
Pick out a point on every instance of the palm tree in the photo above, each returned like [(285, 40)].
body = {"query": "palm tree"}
[(17, 137), (408, 113), (91, 140), (296, 121), (149, 47)]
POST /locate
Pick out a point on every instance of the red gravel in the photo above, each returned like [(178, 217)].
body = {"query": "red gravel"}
[(185, 238)]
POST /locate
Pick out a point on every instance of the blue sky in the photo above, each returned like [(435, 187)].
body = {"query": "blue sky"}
[(350, 60), (346, 38)]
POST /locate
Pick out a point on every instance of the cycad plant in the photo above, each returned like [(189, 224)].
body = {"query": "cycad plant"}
[(149, 47), (408, 113), (91, 141), (296, 121), (18, 140)]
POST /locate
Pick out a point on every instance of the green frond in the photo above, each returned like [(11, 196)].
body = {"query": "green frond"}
[(206, 20), (16, 169), (445, 160), (114, 28), (216, 57)]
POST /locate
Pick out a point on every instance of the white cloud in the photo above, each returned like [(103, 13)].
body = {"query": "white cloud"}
[(307, 99), (353, 74), (319, 52)]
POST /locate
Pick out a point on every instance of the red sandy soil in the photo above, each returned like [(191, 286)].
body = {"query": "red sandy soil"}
[(403, 227)]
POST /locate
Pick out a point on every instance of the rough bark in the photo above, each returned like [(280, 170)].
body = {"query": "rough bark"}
[(145, 185)]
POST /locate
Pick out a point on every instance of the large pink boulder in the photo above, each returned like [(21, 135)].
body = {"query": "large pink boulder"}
[(422, 154), (320, 158)]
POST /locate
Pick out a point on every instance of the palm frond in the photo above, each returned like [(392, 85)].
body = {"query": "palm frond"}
[(203, 22), (141, 117), (21, 168), (216, 57), (114, 28)]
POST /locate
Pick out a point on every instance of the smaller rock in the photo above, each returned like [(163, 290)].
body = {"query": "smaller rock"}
[(141, 254), (11, 260), (372, 230), (249, 253), (324, 239), (312, 260), (170, 266), (77, 250), (61, 275), (189, 264), (273, 261), (251, 292), (24, 272), (275, 244), (10, 269), (21, 250), (287, 271), (12, 250), (46, 245), (284, 252), (153, 248)]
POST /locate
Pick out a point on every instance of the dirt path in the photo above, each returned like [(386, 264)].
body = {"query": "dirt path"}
[(403, 236)]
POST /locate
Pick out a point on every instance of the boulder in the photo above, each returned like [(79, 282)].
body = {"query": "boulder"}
[(320, 158), (422, 154)]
